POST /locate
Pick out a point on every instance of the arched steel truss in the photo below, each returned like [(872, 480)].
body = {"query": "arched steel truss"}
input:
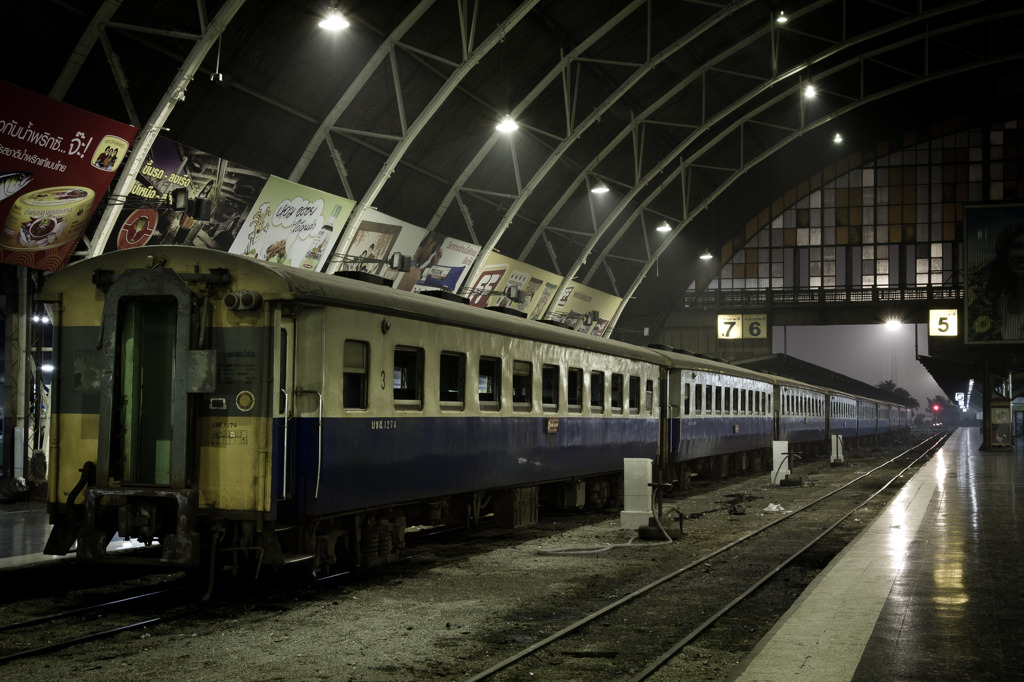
[(721, 144)]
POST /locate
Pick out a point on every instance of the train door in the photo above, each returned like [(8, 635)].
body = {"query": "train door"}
[(144, 384), (284, 405)]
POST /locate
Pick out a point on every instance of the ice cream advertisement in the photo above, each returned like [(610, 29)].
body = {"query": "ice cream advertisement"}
[(56, 163)]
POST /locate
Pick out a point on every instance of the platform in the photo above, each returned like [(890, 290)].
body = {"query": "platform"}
[(932, 589), (24, 527)]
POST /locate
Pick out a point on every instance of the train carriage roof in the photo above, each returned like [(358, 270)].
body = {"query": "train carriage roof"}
[(276, 282)]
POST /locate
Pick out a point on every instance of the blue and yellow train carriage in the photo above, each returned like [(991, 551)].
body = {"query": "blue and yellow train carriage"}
[(719, 417), (206, 399)]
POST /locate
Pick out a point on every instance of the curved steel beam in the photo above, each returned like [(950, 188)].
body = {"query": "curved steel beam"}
[(768, 152), (383, 52), (472, 59), (559, 69), (148, 134), (706, 125), (591, 119)]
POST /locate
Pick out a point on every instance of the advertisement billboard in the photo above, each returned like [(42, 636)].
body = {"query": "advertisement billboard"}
[(994, 267), (56, 163)]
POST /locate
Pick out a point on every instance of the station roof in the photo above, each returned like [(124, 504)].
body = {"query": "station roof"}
[(693, 113)]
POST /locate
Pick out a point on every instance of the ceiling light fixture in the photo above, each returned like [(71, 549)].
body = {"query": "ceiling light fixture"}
[(599, 187), (781, 19), (334, 21), (706, 255), (810, 91), (838, 138), (507, 125), (664, 227)]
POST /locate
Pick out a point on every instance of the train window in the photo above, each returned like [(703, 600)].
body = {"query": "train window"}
[(353, 381), (489, 383), (617, 393), (407, 381), (634, 395), (686, 398), (522, 385), (743, 402), (649, 397), (708, 390), (718, 400), (698, 398), (727, 406), (597, 392), (736, 400), (575, 389), (549, 387), (452, 381)]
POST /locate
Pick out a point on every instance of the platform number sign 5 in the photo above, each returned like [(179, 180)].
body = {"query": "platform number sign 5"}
[(742, 326), (942, 322)]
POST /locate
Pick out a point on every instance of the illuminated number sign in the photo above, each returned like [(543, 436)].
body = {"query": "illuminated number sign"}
[(942, 322), (730, 326), (742, 326)]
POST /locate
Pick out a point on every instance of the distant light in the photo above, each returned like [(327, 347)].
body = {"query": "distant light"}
[(706, 255), (838, 138), (664, 227), (507, 125), (893, 324), (810, 91), (599, 187), (781, 19), (46, 368), (334, 21)]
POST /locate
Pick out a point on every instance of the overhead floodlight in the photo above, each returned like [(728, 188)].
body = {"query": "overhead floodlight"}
[(599, 187), (782, 18), (334, 21), (810, 91), (507, 125), (664, 227), (893, 324), (47, 367), (838, 138), (706, 255)]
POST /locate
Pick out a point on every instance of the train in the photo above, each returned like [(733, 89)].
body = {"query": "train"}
[(216, 408)]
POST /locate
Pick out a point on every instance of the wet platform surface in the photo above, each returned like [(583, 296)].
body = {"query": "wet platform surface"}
[(24, 527), (933, 589)]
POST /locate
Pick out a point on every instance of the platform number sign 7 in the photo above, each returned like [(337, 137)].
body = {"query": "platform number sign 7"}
[(730, 326)]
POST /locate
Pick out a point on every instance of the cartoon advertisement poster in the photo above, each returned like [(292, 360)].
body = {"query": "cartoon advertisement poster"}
[(56, 163), (437, 261), (293, 225), (227, 188)]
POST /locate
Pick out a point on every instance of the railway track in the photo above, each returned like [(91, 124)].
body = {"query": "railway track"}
[(36, 636), (640, 632)]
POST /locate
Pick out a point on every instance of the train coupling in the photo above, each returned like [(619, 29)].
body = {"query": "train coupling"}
[(165, 516)]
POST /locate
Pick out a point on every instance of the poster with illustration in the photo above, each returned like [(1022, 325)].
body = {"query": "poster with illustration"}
[(371, 248), (438, 262), (226, 192), (293, 225), (56, 163)]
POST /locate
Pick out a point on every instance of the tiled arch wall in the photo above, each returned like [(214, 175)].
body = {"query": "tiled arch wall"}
[(882, 218)]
